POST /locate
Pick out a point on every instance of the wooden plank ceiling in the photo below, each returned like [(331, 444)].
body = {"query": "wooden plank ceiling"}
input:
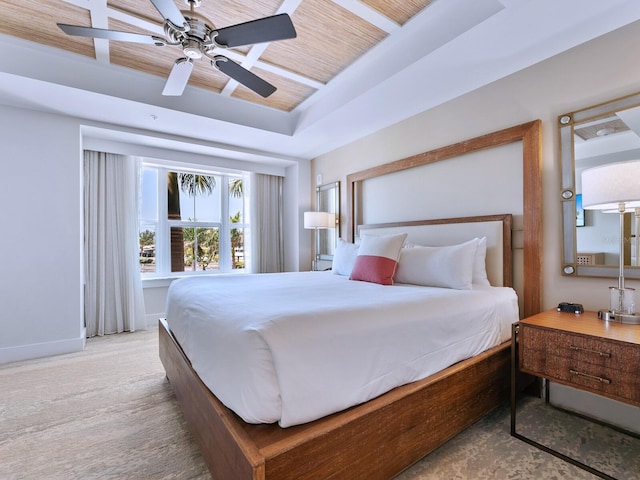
[(330, 36)]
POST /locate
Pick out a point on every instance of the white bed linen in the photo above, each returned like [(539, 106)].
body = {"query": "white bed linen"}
[(294, 347)]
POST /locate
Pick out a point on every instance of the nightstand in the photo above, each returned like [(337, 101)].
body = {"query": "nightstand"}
[(580, 351)]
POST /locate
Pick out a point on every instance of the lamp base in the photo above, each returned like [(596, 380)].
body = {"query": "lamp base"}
[(609, 316)]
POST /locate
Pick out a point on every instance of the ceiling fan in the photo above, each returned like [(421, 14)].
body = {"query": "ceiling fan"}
[(197, 37)]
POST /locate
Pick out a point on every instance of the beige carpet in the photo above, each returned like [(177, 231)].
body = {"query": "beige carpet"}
[(108, 412)]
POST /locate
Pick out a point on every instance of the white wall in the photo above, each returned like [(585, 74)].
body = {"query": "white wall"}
[(421, 193), (41, 311), (605, 68), (40, 245), (296, 241)]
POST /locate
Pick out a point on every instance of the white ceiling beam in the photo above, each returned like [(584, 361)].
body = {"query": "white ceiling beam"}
[(98, 11), (368, 14), (288, 6), (88, 4), (99, 19), (154, 27)]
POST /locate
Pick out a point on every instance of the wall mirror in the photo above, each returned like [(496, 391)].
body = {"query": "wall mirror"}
[(605, 133), (328, 200)]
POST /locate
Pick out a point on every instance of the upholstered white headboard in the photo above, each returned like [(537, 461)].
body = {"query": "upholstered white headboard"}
[(441, 232)]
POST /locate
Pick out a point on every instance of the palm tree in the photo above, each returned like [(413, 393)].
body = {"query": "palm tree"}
[(237, 240), (200, 246), (192, 185), (173, 207), (236, 188)]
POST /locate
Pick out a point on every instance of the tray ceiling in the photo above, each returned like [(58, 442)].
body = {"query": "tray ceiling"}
[(330, 36), (355, 67)]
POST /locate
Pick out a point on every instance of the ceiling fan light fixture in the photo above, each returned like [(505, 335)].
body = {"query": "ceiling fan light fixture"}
[(192, 49)]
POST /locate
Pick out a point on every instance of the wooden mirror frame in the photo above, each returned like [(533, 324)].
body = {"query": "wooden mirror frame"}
[(530, 136), (566, 123)]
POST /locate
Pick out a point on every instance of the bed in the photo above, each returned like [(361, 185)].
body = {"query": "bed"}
[(311, 447), (254, 339), (374, 439)]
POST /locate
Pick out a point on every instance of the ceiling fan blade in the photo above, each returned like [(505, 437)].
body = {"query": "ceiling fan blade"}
[(178, 77), (107, 34), (268, 29), (243, 76), (169, 11)]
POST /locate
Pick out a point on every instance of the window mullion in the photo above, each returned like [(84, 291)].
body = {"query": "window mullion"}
[(163, 254), (225, 230)]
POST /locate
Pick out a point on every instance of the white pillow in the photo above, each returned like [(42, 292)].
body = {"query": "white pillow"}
[(344, 258), (448, 267), (480, 264)]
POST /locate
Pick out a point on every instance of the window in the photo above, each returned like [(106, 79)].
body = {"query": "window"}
[(191, 222)]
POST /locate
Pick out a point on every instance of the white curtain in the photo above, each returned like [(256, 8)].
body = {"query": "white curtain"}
[(266, 206), (113, 300)]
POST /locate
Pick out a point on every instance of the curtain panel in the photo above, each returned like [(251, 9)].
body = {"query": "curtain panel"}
[(266, 207), (113, 300)]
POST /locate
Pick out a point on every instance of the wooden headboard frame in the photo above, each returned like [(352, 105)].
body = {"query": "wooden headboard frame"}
[(530, 136)]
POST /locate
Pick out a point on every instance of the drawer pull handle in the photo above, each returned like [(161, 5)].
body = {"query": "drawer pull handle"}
[(592, 377), (580, 349)]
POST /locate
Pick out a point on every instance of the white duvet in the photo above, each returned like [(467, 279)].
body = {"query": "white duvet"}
[(294, 347)]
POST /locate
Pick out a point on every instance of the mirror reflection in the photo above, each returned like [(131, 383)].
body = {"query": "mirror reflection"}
[(605, 133), (328, 200)]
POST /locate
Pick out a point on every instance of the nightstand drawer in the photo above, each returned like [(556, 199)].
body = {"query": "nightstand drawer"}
[(601, 366), (582, 349), (594, 378)]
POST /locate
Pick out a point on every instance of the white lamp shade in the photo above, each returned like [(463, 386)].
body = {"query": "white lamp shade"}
[(316, 220), (605, 187)]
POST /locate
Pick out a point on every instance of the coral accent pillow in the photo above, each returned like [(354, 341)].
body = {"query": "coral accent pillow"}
[(378, 258)]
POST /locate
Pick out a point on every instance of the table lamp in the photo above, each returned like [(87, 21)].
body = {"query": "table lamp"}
[(315, 221), (607, 187)]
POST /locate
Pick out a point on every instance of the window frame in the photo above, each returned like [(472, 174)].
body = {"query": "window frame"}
[(163, 225)]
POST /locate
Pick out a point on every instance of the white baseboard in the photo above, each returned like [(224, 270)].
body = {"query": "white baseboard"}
[(152, 319), (46, 349)]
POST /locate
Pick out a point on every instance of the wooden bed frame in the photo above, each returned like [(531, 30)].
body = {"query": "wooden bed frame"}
[(384, 436), (375, 440)]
